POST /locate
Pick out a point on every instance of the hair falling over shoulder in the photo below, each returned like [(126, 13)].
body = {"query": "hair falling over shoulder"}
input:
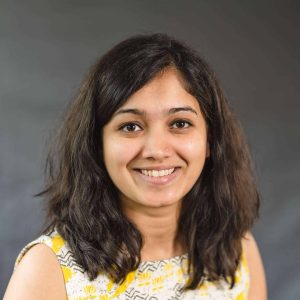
[(83, 204)]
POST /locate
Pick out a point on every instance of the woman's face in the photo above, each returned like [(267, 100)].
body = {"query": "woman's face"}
[(155, 145)]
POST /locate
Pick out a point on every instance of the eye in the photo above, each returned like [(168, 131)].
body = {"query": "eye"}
[(130, 127), (181, 124)]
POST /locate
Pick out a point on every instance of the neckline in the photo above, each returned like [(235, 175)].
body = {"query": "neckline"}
[(174, 259)]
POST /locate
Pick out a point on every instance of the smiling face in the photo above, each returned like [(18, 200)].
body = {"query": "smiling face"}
[(155, 145)]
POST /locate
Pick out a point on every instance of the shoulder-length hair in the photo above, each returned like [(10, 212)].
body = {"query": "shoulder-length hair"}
[(83, 203)]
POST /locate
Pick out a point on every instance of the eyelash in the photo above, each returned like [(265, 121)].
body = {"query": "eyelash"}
[(128, 124), (183, 121), (123, 126)]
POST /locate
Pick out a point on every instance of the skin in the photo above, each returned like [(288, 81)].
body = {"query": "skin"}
[(258, 285), (150, 139), (38, 276), (158, 139)]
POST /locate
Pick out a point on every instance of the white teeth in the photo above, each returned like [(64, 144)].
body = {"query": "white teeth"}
[(156, 173)]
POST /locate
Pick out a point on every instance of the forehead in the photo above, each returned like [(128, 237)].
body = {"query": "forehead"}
[(164, 92)]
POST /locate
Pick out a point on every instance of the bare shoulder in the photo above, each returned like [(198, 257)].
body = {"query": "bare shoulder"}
[(258, 288), (38, 276)]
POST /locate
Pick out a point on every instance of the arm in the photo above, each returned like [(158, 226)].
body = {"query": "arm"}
[(258, 287), (38, 276)]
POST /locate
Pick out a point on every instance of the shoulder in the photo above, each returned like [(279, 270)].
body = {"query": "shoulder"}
[(258, 289), (37, 275)]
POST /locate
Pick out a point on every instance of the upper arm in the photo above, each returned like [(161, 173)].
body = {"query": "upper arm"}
[(38, 276), (258, 287)]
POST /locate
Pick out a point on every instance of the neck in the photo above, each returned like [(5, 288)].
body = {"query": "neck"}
[(158, 227)]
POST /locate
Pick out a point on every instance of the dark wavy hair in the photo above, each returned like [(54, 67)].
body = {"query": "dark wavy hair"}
[(83, 204)]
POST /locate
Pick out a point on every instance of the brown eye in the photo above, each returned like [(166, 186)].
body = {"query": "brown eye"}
[(130, 127), (180, 124)]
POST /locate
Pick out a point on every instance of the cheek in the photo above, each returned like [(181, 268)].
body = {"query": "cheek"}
[(118, 153), (195, 154), (194, 150)]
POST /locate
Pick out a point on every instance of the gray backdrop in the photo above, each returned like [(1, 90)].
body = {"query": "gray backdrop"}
[(47, 47)]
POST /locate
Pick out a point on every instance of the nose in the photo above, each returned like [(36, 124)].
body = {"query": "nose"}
[(156, 145)]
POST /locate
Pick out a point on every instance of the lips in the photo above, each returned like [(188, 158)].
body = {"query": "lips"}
[(152, 176)]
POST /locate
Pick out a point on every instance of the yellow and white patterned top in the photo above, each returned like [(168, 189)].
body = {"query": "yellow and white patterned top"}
[(152, 280)]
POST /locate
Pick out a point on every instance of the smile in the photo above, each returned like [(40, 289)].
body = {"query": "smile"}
[(157, 173), (157, 177)]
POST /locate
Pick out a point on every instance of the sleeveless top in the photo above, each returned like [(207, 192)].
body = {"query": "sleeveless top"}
[(153, 280)]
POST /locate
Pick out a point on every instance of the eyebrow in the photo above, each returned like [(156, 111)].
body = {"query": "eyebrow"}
[(142, 112), (178, 109)]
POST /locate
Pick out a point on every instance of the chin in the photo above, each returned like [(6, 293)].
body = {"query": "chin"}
[(160, 203)]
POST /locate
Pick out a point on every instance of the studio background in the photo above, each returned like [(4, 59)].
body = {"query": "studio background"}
[(46, 47)]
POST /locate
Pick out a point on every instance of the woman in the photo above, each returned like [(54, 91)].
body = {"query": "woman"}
[(150, 192)]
